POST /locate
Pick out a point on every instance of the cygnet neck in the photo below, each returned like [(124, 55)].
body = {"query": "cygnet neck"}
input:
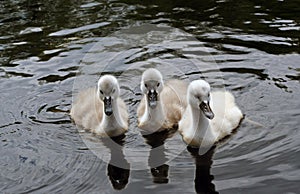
[(200, 124), (113, 121), (154, 117), (201, 128)]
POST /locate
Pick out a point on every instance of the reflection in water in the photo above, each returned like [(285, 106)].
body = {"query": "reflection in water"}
[(160, 173), (157, 156), (203, 178), (117, 176)]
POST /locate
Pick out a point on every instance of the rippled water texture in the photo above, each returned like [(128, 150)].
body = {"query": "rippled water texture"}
[(50, 50)]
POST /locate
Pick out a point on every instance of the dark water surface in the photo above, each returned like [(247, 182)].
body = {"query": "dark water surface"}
[(50, 50)]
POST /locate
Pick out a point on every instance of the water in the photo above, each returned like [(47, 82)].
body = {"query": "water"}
[(50, 50)]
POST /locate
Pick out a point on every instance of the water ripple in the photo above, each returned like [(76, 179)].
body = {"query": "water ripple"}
[(251, 48)]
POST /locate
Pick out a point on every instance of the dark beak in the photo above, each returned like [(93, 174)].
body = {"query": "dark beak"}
[(152, 98), (107, 106), (204, 106)]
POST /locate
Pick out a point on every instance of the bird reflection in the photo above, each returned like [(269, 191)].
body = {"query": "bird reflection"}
[(118, 169), (157, 157), (203, 178)]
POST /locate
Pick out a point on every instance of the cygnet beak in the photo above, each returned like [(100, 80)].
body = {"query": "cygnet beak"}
[(107, 106), (152, 98), (204, 106)]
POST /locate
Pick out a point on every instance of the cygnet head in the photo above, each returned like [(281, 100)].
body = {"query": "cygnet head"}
[(151, 85), (108, 90), (199, 97)]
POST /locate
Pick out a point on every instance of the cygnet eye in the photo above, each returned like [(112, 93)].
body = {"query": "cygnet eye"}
[(113, 91), (101, 91), (146, 85), (158, 84)]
